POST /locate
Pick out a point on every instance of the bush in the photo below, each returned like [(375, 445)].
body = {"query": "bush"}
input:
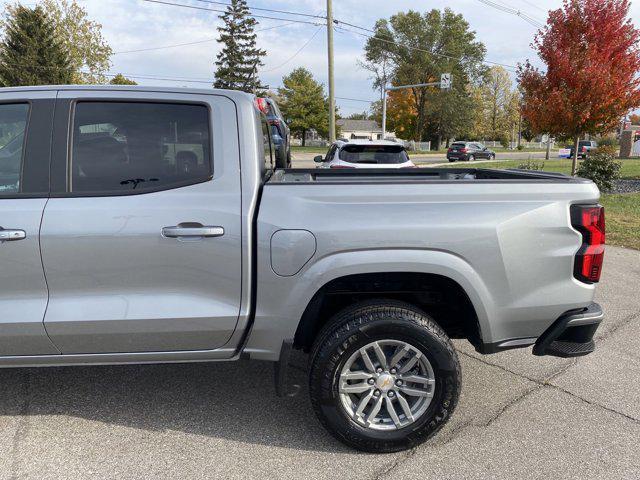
[(531, 165), (601, 166), (504, 141), (608, 142), (520, 147)]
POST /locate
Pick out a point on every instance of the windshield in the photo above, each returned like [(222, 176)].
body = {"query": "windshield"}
[(374, 154)]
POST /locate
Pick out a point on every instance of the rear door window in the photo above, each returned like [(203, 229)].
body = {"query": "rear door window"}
[(133, 147), (13, 125)]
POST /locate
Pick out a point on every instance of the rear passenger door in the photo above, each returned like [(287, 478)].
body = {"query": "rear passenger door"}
[(25, 134), (141, 238)]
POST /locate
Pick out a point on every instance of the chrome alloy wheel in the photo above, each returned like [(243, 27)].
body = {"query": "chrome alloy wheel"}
[(386, 385)]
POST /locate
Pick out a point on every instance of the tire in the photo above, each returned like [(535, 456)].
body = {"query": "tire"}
[(471, 158), (389, 324), (288, 159), (452, 160), (492, 157)]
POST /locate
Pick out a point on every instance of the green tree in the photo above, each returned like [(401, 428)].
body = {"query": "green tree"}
[(239, 59), (420, 48), (30, 52), (499, 101), (304, 104), (88, 51), (120, 79)]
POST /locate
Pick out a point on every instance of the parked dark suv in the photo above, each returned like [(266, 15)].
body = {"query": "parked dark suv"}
[(280, 133), (469, 151)]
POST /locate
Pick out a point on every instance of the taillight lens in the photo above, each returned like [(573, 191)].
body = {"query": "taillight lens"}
[(584, 149), (340, 166), (262, 105), (589, 221), (463, 150)]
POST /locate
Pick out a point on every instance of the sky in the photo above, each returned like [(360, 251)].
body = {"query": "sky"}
[(136, 25)]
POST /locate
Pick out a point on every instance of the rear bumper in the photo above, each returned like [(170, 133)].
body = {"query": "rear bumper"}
[(572, 334)]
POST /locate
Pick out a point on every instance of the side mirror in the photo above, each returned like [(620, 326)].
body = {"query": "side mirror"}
[(485, 149), (318, 159)]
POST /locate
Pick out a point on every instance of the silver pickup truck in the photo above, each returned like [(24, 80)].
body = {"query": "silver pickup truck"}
[(147, 225)]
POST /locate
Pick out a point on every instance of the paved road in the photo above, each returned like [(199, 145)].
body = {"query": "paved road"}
[(519, 416), (305, 160)]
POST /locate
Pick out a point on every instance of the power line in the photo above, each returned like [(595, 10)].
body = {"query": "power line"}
[(527, 18), (295, 54), (356, 100), (308, 15), (194, 7), (449, 57), (195, 42)]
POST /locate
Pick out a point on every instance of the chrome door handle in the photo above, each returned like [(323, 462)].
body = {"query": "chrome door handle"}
[(178, 231), (12, 235)]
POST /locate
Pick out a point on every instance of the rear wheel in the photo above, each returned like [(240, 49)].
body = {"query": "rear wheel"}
[(384, 376), (471, 158), (452, 160)]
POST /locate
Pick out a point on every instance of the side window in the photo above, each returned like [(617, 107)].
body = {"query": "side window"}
[(268, 147), (13, 125), (130, 147)]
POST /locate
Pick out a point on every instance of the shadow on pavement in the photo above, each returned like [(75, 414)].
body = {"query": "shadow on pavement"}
[(233, 400)]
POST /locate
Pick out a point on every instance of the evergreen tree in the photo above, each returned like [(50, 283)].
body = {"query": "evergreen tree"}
[(239, 59), (30, 52)]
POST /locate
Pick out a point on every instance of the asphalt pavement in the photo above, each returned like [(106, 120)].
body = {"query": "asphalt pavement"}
[(520, 416)]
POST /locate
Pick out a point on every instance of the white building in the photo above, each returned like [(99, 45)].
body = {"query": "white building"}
[(361, 130)]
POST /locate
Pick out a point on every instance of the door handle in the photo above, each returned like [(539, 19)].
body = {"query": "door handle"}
[(201, 231), (12, 235)]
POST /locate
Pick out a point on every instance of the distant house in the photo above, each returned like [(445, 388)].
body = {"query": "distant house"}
[(361, 130)]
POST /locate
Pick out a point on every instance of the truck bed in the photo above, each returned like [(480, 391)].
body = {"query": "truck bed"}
[(418, 175)]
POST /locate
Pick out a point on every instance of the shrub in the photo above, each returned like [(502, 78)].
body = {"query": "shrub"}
[(520, 147), (608, 142), (531, 165), (601, 166)]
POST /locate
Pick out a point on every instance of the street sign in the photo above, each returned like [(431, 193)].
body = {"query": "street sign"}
[(445, 81)]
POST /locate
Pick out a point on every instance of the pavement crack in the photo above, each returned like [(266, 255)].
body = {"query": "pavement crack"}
[(623, 323)]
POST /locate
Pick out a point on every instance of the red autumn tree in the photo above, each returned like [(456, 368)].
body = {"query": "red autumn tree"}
[(592, 55)]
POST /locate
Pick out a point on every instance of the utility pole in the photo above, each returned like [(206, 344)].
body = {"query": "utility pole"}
[(332, 98)]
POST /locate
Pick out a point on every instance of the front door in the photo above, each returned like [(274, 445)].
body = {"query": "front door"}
[(142, 250), (25, 133)]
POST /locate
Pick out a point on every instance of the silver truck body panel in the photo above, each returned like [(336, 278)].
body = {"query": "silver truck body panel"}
[(508, 244), (118, 291)]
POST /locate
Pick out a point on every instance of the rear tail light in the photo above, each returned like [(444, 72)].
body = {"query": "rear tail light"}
[(589, 221), (584, 149), (340, 166), (262, 105), (463, 150)]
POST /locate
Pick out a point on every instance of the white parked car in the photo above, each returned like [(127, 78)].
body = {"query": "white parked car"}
[(365, 154)]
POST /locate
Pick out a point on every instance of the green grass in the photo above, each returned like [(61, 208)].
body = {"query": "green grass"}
[(630, 167), (622, 212)]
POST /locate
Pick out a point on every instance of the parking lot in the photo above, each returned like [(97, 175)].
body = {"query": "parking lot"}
[(519, 416)]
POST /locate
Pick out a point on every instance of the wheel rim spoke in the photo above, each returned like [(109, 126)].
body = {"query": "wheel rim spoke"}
[(367, 360), (414, 392), (419, 379), (405, 407), (392, 412), (380, 354), (400, 353), (363, 404), (411, 363), (357, 375), (357, 388), (374, 411)]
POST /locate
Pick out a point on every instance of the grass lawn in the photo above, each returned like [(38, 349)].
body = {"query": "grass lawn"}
[(622, 210), (630, 167), (622, 214)]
